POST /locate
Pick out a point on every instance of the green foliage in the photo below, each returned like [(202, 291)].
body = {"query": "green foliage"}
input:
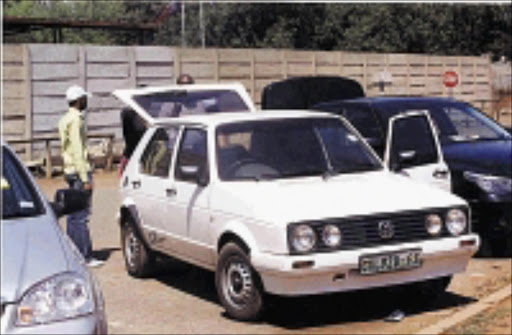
[(467, 29)]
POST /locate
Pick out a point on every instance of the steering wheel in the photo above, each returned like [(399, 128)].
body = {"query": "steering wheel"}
[(238, 164)]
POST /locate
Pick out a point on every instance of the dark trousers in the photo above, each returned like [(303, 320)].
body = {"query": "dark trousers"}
[(76, 227)]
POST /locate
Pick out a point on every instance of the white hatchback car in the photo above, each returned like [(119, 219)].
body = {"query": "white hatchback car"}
[(284, 202)]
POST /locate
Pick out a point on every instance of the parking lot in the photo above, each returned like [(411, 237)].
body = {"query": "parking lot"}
[(181, 299)]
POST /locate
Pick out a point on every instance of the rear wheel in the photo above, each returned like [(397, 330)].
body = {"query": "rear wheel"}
[(139, 260), (238, 285)]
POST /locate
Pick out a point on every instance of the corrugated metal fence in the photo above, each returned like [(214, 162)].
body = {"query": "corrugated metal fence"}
[(36, 76)]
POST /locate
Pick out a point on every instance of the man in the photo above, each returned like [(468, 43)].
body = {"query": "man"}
[(73, 137), (133, 129), (185, 79)]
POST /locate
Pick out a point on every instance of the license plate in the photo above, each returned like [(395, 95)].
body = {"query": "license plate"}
[(388, 262)]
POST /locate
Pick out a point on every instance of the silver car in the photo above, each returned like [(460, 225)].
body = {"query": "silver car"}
[(46, 286)]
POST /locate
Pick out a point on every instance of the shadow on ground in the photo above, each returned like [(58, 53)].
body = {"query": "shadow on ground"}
[(104, 254), (309, 311), (186, 278), (358, 306)]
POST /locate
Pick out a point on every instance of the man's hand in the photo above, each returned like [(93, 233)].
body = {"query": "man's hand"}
[(88, 186)]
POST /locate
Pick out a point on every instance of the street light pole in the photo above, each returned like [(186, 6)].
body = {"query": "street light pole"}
[(183, 37), (201, 23)]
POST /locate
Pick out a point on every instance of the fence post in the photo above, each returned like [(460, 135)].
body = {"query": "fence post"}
[(313, 64), (216, 64), (284, 65), (407, 75), (132, 67), (340, 58), (177, 63), (253, 79), (27, 64), (426, 74), (365, 71)]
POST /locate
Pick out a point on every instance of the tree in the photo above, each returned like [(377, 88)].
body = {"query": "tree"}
[(465, 29)]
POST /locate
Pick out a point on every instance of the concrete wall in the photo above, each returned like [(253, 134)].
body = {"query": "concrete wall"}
[(36, 76)]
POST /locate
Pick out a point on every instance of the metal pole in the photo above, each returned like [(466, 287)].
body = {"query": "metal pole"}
[(183, 42), (201, 22)]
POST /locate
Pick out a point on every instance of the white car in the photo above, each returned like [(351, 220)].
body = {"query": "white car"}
[(284, 202)]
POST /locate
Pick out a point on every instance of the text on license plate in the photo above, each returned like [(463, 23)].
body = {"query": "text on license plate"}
[(393, 261)]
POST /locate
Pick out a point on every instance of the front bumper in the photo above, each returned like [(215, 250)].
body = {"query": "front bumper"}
[(339, 271)]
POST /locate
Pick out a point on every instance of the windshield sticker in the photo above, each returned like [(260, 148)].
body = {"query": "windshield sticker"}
[(5, 184), (26, 204), (352, 138)]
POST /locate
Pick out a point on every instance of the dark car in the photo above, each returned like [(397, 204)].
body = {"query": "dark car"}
[(303, 92), (477, 150)]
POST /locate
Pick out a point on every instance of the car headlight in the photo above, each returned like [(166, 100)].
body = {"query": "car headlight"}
[(456, 221), (433, 224), (490, 184), (331, 236), (302, 238), (60, 297)]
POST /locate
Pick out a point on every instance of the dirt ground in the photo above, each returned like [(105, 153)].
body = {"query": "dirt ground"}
[(181, 298), (496, 320)]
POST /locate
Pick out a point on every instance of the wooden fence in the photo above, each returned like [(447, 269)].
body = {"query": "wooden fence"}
[(36, 76)]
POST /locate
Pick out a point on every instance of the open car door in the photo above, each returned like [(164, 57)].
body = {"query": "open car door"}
[(413, 148), (153, 103)]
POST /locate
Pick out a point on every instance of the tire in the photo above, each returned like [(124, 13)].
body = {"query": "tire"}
[(138, 259), (238, 285)]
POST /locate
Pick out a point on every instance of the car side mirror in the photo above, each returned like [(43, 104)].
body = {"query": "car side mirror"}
[(405, 159), (194, 173), (68, 201)]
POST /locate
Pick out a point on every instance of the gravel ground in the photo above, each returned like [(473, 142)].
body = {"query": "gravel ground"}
[(181, 298)]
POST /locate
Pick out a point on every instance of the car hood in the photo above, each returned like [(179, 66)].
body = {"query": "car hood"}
[(488, 157), (284, 201), (32, 250)]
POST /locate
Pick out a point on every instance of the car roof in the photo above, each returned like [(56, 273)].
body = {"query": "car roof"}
[(215, 119), (399, 99)]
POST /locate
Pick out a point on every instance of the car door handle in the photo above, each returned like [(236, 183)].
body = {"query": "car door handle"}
[(440, 174), (136, 184), (171, 192)]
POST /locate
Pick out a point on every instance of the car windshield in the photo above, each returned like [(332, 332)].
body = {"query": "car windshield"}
[(178, 103), (288, 148), (19, 198), (461, 122)]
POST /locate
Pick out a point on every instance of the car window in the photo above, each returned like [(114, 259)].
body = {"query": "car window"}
[(289, 148), (192, 151), (157, 156), (180, 103), (413, 134), (363, 119), (464, 123), (19, 198)]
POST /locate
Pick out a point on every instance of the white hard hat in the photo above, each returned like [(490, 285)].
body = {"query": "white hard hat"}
[(75, 92)]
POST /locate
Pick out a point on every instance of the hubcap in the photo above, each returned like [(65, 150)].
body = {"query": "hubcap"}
[(131, 247), (238, 282)]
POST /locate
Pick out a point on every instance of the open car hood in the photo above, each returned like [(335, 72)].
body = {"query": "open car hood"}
[(154, 103), (304, 92)]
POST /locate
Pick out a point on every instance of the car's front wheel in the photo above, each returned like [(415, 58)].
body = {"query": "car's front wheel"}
[(138, 259), (238, 285)]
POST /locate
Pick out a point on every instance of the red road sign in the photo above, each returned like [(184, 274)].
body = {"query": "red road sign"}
[(450, 79)]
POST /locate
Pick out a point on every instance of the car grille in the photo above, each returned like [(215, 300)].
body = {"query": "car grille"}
[(360, 232)]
